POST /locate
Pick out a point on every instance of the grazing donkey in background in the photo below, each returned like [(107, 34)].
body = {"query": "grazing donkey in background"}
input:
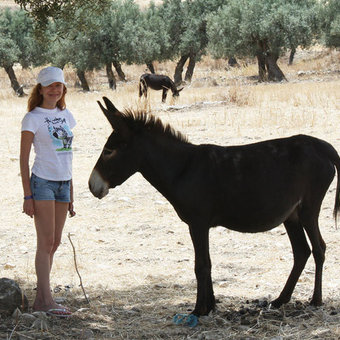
[(157, 82), (250, 188)]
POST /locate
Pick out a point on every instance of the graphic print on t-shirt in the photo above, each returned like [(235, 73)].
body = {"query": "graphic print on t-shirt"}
[(60, 133)]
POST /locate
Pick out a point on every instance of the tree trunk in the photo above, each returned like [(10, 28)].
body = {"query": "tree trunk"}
[(291, 56), (83, 81), (19, 91), (273, 70), (110, 76), (268, 68), (262, 66), (150, 67), (191, 66), (232, 62), (179, 69), (118, 67)]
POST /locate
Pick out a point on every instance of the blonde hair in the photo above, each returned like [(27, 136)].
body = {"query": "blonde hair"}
[(35, 99)]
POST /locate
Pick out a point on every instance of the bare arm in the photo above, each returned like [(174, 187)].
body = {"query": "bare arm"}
[(25, 150), (70, 206)]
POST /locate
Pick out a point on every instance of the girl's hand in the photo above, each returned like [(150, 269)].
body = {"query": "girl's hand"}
[(70, 209), (28, 207)]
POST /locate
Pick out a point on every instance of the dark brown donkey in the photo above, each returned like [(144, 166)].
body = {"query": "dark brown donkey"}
[(157, 82), (249, 188)]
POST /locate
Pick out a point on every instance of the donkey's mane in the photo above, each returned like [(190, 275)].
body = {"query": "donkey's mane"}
[(138, 120)]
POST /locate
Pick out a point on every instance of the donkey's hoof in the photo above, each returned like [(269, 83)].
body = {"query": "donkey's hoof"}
[(316, 302), (276, 303)]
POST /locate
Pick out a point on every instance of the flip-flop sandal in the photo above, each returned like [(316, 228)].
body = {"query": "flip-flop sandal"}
[(59, 312), (63, 307)]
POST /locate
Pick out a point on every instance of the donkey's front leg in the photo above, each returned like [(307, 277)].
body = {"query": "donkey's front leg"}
[(164, 93), (205, 301)]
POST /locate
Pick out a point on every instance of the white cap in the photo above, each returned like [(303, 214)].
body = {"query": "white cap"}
[(49, 75)]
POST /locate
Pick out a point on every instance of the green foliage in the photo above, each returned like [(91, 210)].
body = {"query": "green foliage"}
[(70, 11), (194, 38), (330, 22), (243, 28), (17, 39), (76, 48), (144, 38), (90, 34), (172, 14), (8, 51), (112, 22)]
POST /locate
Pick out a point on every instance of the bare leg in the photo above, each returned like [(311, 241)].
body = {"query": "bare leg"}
[(48, 227), (60, 218)]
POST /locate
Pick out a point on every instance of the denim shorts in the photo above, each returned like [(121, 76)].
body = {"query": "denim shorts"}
[(46, 190)]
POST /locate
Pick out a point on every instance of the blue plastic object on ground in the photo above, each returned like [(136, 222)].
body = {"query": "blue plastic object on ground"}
[(190, 320)]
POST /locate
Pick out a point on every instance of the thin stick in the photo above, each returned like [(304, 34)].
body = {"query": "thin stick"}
[(75, 263), (16, 325)]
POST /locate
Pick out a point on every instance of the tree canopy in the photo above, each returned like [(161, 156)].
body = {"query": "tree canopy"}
[(263, 29), (68, 10), (330, 22), (103, 34)]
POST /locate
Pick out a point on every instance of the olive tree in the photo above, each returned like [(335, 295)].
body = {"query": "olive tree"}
[(186, 31), (194, 38), (264, 29), (109, 40), (144, 38), (17, 44), (330, 22), (78, 51)]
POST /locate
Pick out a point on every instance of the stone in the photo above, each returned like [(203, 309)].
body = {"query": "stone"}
[(40, 315), (11, 297), (87, 334), (40, 324), (27, 319), (16, 314)]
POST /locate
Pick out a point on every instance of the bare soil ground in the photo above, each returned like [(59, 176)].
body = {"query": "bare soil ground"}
[(135, 255)]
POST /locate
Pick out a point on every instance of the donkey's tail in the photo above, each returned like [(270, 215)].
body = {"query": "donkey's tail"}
[(333, 156), (143, 87), (335, 159), (337, 194)]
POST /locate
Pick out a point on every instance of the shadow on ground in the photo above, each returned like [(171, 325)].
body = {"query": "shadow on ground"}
[(146, 312)]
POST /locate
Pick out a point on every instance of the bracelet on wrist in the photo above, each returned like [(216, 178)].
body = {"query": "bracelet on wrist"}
[(28, 197)]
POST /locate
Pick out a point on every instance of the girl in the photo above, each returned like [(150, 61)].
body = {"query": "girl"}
[(48, 190)]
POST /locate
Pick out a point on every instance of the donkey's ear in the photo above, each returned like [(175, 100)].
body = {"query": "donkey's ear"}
[(102, 107), (110, 111), (110, 106), (115, 118)]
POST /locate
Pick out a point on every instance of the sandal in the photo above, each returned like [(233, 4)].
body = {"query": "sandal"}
[(59, 312)]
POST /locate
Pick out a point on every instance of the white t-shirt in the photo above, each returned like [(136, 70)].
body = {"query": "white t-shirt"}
[(52, 142)]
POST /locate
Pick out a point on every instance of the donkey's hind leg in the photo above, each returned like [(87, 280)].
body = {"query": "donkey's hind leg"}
[(311, 225), (301, 253)]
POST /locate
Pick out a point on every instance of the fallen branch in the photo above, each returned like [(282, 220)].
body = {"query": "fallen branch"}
[(75, 263)]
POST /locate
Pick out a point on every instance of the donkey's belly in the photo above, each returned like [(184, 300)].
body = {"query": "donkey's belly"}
[(256, 220)]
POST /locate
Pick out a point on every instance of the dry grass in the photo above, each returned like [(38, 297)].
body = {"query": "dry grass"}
[(134, 254)]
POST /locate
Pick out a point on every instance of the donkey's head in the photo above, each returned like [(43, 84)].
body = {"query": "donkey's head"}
[(117, 161), (176, 91)]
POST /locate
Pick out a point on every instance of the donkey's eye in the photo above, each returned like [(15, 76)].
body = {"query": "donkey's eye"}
[(107, 152)]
